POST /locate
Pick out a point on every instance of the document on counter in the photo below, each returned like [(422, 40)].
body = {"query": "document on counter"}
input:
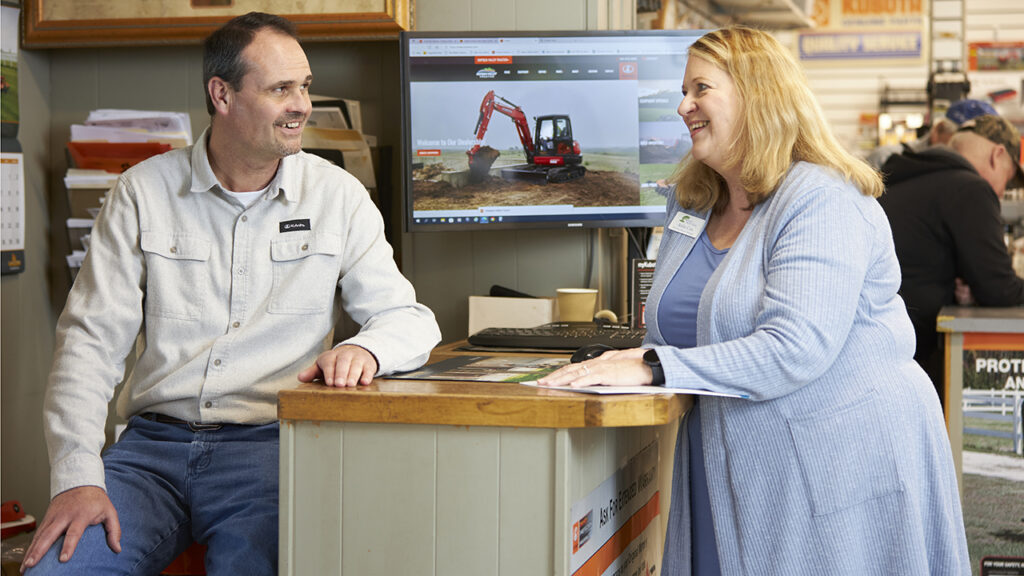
[(640, 390), (487, 369), (527, 370)]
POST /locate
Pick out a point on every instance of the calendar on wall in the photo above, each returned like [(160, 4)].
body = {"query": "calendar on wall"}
[(12, 213)]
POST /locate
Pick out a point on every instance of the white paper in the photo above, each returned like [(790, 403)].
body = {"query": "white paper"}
[(327, 117), (352, 107), (80, 222), (147, 120), (90, 133), (76, 258), (637, 390), (89, 178)]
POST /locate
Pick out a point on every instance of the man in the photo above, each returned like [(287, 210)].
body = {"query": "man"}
[(943, 206), (227, 260)]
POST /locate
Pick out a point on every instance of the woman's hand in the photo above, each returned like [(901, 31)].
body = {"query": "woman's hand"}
[(613, 368)]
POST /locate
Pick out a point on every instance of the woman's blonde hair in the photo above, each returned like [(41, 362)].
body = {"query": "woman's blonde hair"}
[(780, 123)]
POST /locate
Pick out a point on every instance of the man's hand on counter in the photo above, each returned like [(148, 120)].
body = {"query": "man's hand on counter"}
[(345, 365)]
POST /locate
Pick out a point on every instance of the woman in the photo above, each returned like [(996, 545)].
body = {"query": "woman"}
[(777, 281)]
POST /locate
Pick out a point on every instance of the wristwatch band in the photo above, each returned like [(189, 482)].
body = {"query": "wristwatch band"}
[(654, 363)]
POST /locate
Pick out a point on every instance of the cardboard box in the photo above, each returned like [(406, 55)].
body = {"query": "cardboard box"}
[(503, 312)]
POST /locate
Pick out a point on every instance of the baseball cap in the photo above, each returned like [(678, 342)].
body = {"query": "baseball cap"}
[(963, 110), (998, 130)]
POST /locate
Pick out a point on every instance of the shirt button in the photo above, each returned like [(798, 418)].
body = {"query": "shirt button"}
[(174, 249), (216, 362), (305, 247), (245, 218), (208, 404), (241, 271), (236, 324)]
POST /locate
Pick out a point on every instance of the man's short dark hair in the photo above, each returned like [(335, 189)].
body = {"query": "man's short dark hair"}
[(222, 50)]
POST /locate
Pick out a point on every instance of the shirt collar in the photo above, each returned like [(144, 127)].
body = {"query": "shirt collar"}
[(204, 180)]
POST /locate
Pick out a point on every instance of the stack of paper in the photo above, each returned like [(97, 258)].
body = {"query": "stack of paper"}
[(113, 139), (115, 125)]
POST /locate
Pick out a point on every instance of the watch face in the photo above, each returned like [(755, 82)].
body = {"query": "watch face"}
[(651, 357)]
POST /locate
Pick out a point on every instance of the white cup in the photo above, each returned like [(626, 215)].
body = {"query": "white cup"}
[(576, 304)]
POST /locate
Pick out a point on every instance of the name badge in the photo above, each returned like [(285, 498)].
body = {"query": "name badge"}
[(687, 224), (294, 225)]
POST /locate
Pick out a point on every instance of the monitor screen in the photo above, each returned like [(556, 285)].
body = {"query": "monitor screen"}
[(541, 129)]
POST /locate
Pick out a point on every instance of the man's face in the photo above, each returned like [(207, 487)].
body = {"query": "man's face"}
[(268, 112)]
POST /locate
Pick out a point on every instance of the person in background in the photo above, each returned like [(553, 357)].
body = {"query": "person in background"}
[(963, 110), (943, 207), (228, 260), (940, 132), (777, 283)]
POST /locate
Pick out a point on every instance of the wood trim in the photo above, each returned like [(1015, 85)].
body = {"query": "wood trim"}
[(475, 404), (40, 33)]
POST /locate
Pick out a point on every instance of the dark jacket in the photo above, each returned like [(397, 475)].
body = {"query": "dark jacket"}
[(946, 223)]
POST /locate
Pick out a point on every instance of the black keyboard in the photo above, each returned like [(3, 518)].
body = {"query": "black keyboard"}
[(559, 336)]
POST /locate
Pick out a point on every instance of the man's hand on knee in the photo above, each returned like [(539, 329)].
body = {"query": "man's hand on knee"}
[(69, 514)]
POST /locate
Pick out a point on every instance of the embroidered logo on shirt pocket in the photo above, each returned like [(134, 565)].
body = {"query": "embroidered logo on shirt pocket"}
[(845, 455), (175, 263), (305, 272)]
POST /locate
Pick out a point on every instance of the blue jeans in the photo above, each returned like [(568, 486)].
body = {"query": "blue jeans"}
[(172, 486)]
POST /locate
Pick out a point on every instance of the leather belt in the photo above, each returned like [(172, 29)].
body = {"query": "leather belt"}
[(193, 426)]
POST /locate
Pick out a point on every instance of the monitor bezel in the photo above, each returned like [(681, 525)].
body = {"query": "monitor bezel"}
[(618, 220)]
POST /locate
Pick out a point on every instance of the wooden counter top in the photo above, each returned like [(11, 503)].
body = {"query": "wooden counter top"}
[(475, 404)]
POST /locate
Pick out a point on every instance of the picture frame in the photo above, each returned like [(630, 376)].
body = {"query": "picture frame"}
[(77, 23)]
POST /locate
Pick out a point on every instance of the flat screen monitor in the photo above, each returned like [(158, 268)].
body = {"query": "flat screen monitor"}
[(541, 129)]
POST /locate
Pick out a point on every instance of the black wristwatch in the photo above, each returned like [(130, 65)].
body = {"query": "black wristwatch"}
[(654, 363)]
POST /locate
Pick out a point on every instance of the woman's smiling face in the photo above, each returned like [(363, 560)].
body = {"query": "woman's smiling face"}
[(711, 110)]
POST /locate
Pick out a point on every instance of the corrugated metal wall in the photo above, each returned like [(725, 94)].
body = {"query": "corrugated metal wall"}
[(847, 91)]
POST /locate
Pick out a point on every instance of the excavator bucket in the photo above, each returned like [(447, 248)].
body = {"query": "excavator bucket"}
[(480, 163)]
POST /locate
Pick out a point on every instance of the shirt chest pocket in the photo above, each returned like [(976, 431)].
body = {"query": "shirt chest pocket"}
[(175, 267), (306, 271)]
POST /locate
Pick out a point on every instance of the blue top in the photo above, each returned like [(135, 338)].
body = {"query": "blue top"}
[(677, 312), (677, 315)]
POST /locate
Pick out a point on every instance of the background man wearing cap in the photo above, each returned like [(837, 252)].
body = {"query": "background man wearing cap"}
[(943, 206), (940, 132)]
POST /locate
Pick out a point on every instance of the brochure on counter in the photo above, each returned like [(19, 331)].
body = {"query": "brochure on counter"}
[(526, 370)]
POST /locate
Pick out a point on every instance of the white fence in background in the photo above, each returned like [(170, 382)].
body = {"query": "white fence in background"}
[(999, 406)]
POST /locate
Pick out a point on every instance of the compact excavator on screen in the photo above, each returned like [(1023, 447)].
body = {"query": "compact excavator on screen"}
[(551, 154)]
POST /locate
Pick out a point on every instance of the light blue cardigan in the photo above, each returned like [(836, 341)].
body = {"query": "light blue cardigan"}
[(839, 462)]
